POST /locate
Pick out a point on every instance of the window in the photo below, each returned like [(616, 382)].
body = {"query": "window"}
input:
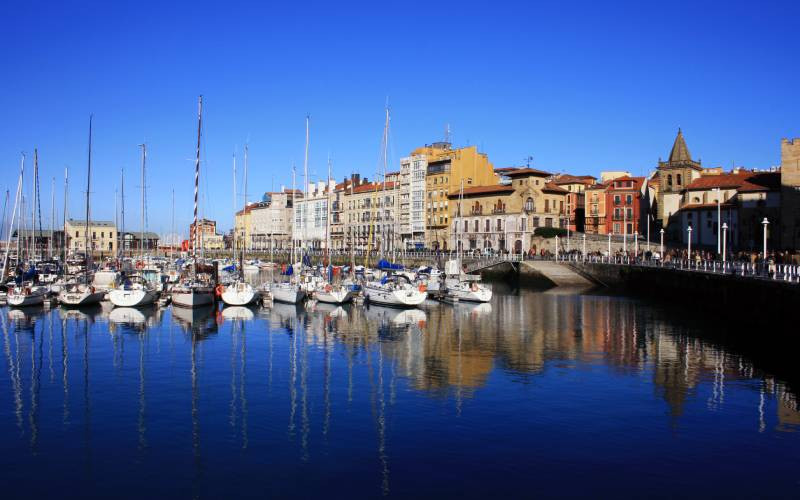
[(488, 225), (629, 199), (629, 213), (466, 226), (548, 222), (669, 180), (529, 205), (679, 179), (546, 205), (499, 225), (522, 224), (535, 222), (616, 199), (476, 226)]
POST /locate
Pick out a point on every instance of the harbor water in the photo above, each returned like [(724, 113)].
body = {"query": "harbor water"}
[(538, 393)]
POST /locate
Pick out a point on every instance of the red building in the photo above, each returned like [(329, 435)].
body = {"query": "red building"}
[(624, 205)]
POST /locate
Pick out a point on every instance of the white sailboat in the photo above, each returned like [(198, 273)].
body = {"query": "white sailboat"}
[(83, 294), (395, 292), (195, 291), (136, 291), (26, 294), (240, 292)]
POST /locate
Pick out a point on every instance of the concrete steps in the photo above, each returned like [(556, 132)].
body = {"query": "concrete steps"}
[(559, 274)]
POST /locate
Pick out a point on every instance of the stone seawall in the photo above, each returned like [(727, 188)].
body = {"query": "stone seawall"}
[(765, 302)]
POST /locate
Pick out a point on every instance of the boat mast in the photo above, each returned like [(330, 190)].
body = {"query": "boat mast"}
[(246, 236), (122, 214), (51, 246), (294, 207), (37, 203), (3, 223), (172, 245), (233, 254), (196, 235), (384, 226), (328, 211), (141, 227), (17, 199), (304, 214), (66, 209), (88, 188)]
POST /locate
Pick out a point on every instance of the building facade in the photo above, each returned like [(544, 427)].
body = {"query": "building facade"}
[(504, 217), (412, 200), (310, 216), (270, 222), (102, 236), (595, 209), (624, 205), (369, 215), (674, 175), (789, 228)]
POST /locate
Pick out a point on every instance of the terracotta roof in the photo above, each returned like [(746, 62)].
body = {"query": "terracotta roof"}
[(528, 171), (484, 190), (702, 206), (505, 169), (552, 188), (745, 181), (373, 186), (574, 179)]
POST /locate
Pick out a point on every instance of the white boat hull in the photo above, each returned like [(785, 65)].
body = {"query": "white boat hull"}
[(400, 297), (132, 298), (80, 298), (335, 296), (192, 297), (290, 295), (237, 295), (22, 300), (482, 294)]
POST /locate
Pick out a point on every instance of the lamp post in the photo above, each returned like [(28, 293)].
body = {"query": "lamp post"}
[(556, 247), (765, 222), (648, 230), (724, 243), (719, 219), (624, 230), (690, 244), (609, 247), (635, 244), (584, 246), (661, 251)]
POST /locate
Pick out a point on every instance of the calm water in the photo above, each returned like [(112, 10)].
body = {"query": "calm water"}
[(534, 394)]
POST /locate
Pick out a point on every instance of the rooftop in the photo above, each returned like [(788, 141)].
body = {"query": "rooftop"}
[(95, 223), (527, 171), (483, 191)]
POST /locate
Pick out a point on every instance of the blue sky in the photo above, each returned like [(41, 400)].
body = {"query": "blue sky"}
[(582, 87)]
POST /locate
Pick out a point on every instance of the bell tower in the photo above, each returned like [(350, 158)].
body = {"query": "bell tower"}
[(674, 175)]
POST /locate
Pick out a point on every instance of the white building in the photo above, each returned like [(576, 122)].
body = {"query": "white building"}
[(271, 221), (311, 216), (412, 200)]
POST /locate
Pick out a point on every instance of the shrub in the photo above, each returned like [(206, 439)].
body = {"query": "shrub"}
[(550, 232)]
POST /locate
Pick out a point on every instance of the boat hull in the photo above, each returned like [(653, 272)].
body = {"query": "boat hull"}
[(233, 296), (395, 298), (132, 298), (77, 299), (18, 300), (334, 296), (289, 295), (192, 297)]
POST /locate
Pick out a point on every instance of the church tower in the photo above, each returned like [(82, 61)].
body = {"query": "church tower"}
[(674, 175)]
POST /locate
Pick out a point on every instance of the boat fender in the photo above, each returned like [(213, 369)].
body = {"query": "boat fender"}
[(328, 288), (219, 290), (422, 287)]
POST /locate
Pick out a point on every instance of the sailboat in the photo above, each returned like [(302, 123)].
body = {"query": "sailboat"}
[(83, 292), (239, 293), (197, 289), (135, 290)]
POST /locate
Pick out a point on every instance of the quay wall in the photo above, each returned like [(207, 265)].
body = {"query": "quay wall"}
[(765, 301)]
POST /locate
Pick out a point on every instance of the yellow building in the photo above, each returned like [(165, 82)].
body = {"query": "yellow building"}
[(504, 217), (102, 236), (447, 168)]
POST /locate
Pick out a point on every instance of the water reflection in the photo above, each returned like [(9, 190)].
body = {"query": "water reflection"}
[(314, 384)]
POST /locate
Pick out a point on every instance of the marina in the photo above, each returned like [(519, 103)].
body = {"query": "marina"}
[(527, 391)]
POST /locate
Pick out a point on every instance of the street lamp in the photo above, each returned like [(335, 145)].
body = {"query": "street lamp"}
[(765, 222), (690, 244), (609, 247), (719, 218), (724, 243), (636, 244), (584, 246), (556, 247), (661, 251)]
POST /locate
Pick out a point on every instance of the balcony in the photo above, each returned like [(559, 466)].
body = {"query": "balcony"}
[(501, 210)]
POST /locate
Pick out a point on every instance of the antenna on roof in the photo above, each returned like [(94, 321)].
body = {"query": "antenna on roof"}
[(528, 159), (447, 132)]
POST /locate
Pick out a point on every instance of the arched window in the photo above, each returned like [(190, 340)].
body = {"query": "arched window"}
[(669, 180), (679, 179), (529, 206)]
